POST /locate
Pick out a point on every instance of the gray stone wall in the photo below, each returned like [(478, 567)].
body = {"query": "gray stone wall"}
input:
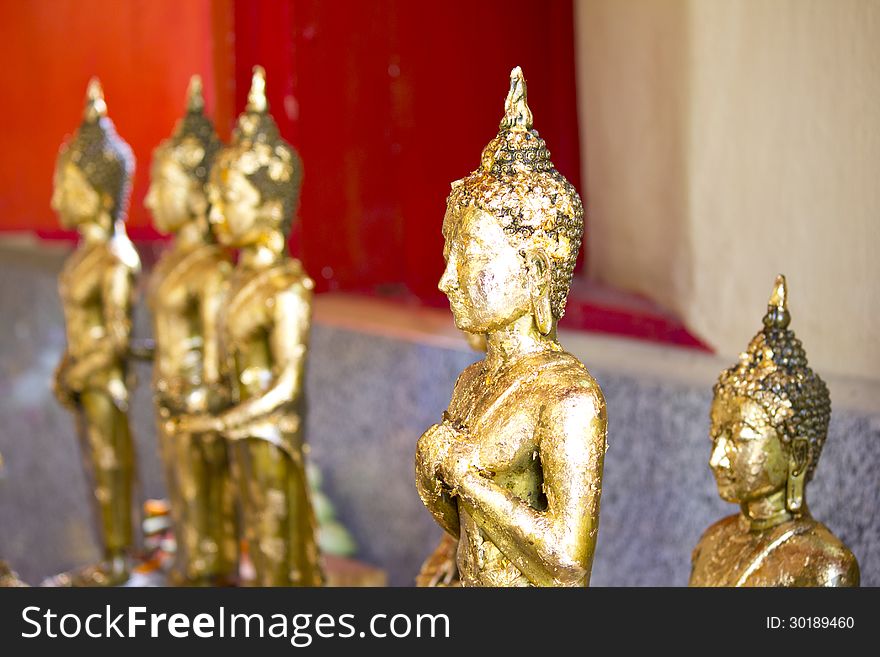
[(370, 397)]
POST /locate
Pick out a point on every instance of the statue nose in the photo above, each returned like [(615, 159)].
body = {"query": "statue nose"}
[(719, 454), (446, 280)]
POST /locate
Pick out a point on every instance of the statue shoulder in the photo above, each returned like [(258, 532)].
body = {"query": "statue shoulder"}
[(568, 381), (197, 270), (820, 549), (720, 530), (212, 261), (467, 377), (291, 277)]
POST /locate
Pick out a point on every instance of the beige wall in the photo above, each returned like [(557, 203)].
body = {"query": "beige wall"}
[(726, 142)]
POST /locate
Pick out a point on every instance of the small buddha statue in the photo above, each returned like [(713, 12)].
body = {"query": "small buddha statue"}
[(91, 190), (185, 294), (514, 469), (264, 330), (769, 418)]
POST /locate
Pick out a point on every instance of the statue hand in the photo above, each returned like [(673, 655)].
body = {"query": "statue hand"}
[(427, 481), (461, 456), (195, 424), (447, 450), (61, 387)]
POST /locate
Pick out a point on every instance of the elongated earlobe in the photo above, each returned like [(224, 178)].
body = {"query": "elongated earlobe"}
[(797, 474), (198, 205), (539, 283), (543, 314), (275, 241)]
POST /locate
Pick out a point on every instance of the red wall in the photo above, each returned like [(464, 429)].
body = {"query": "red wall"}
[(142, 50), (388, 102)]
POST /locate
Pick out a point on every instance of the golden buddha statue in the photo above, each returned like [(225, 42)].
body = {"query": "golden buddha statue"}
[(770, 417), (92, 185), (185, 295), (514, 470), (264, 330)]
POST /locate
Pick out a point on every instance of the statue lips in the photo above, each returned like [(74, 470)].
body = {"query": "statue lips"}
[(723, 477)]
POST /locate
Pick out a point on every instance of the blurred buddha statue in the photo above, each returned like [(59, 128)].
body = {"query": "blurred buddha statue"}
[(769, 419), (264, 331), (185, 295), (8, 577), (514, 469), (92, 184)]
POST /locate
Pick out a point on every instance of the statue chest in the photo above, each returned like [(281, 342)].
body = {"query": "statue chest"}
[(178, 281), (726, 559), (247, 320), (81, 280), (749, 558), (503, 421)]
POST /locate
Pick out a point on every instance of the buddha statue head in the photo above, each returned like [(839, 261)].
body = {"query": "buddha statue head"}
[(181, 165), (769, 416), (513, 230), (93, 171), (255, 182)]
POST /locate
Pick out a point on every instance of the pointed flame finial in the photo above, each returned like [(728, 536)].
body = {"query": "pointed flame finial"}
[(779, 297), (777, 307), (195, 101), (257, 94), (95, 108), (517, 115)]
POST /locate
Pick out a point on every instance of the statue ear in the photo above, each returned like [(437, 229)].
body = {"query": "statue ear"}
[(271, 211), (798, 461), (198, 201), (800, 455), (106, 209), (271, 216), (538, 272)]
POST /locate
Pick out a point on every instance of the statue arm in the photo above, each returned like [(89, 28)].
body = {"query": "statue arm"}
[(287, 343), (433, 493), (431, 450), (116, 298), (61, 387), (212, 301), (554, 546)]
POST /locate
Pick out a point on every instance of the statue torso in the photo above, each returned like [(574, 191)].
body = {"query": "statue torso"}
[(83, 286), (503, 417), (798, 552), (248, 320), (178, 289)]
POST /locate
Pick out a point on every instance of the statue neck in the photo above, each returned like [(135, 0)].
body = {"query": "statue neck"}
[(97, 231), (519, 338), (768, 511), (260, 256), (194, 233)]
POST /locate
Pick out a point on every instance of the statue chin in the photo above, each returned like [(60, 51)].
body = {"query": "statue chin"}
[(727, 494), (463, 323)]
